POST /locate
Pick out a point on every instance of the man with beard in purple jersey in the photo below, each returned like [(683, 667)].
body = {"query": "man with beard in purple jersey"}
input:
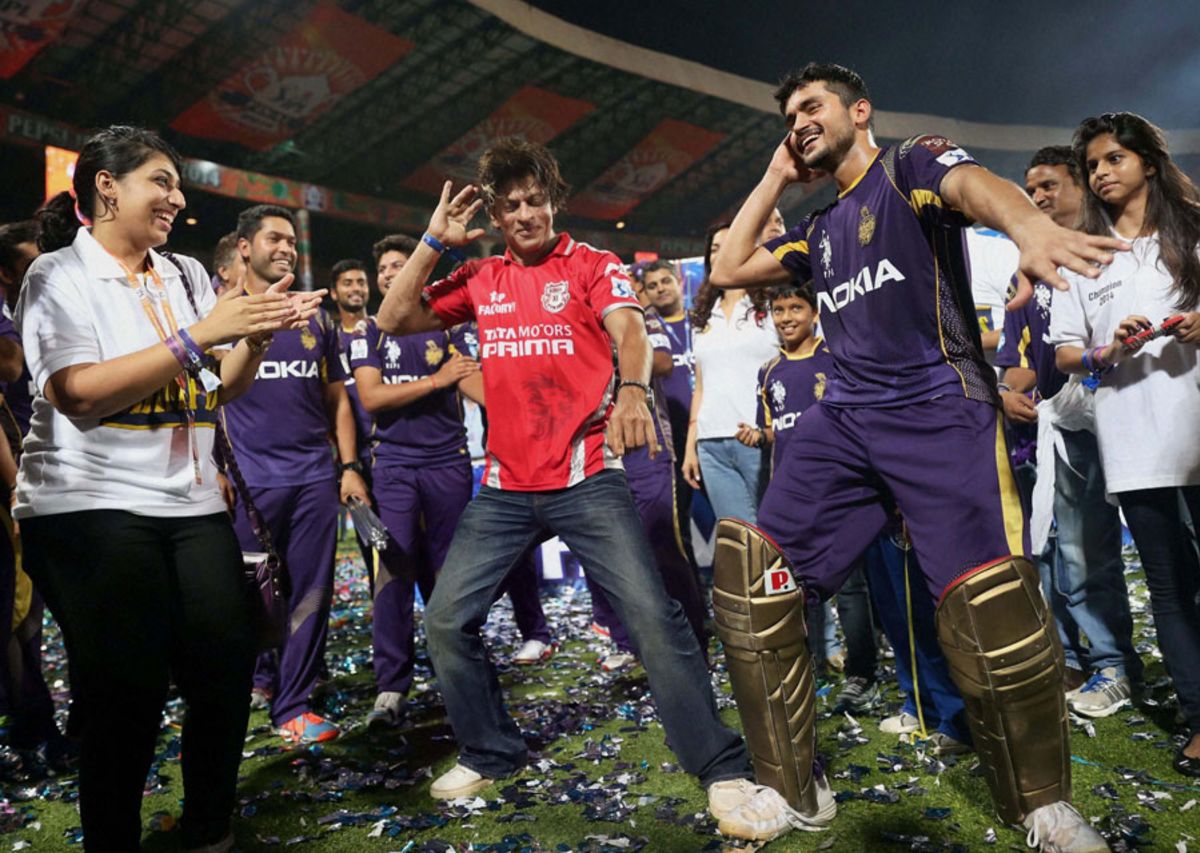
[(911, 418), (280, 434)]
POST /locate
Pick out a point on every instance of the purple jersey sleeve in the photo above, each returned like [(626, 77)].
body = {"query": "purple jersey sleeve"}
[(657, 333), (1016, 329), (364, 349), (921, 164), (464, 339), (791, 250)]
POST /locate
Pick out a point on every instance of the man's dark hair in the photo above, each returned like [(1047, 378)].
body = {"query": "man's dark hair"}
[(1057, 155), (512, 159), (225, 251), (401, 243), (655, 266), (348, 265), (846, 84), (792, 290), (250, 220), (11, 236)]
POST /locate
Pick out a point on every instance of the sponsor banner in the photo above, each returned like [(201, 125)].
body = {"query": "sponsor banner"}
[(532, 113), (329, 54), (666, 152), (26, 26)]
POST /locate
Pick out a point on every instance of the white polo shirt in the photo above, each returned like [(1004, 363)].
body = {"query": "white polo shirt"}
[(729, 354), (1148, 407), (77, 307)]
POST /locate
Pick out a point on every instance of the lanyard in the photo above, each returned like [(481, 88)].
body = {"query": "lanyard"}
[(185, 381)]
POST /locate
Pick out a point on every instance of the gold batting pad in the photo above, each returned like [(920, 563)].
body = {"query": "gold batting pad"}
[(1004, 654), (759, 610)]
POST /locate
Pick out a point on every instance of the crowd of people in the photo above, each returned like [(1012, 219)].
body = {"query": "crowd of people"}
[(849, 394)]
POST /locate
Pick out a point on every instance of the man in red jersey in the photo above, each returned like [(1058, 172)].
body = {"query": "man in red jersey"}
[(547, 310)]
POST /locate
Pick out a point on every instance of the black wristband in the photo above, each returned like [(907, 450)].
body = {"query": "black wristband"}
[(355, 466)]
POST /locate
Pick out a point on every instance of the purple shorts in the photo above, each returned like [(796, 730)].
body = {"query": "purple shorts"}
[(943, 463)]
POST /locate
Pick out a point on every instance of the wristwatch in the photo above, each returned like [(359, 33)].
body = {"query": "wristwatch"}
[(633, 382), (355, 466)]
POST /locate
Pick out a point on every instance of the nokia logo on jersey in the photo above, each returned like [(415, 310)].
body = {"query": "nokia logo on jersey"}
[(401, 379), (860, 285), (783, 422), (683, 359), (523, 348), (287, 370)]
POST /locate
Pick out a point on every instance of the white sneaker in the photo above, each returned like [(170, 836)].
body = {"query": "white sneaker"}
[(457, 782), (617, 660), (1104, 694), (260, 698), (1058, 828), (903, 723), (759, 813), (533, 651)]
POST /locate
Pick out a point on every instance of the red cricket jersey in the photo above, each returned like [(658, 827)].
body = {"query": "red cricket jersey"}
[(547, 360)]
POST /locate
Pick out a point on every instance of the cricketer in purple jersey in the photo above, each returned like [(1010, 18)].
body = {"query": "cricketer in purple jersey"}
[(677, 387), (789, 385), (892, 287), (1026, 342), (279, 428), (429, 431)]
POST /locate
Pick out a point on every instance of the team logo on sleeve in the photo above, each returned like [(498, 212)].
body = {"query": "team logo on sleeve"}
[(308, 339), (622, 287), (866, 225), (433, 353), (391, 354), (556, 295), (826, 255), (358, 348)]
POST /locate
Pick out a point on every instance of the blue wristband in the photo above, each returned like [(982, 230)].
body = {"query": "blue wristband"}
[(441, 248), (195, 354)]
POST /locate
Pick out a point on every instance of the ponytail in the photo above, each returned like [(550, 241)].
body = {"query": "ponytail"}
[(57, 223)]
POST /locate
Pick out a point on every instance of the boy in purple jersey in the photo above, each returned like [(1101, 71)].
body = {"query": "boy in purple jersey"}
[(911, 416), (1083, 573), (280, 432), (652, 483)]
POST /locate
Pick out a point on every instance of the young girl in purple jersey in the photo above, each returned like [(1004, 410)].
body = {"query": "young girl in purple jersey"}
[(1148, 399), (125, 532)]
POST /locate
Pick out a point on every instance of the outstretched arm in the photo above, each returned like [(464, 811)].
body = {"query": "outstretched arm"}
[(1044, 246), (403, 312)]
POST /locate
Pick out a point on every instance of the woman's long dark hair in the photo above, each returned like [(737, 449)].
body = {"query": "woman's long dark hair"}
[(117, 150), (707, 295), (1172, 206)]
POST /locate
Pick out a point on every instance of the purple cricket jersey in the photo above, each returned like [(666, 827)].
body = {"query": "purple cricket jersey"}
[(638, 460), (1025, 342), (18, 395), (364, 424), (887, 262), (428, 432), (788, 385), (279, 428), (677, 388)]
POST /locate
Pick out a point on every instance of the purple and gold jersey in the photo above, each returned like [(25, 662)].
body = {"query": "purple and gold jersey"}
[(887, 262), (638, 460), (364, 424), (279, 428), (428, 432), (788, 385), (677, 388), (19, 394), (1025, 342)]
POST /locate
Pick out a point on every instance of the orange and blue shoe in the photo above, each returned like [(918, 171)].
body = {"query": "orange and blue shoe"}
[(307, 728)]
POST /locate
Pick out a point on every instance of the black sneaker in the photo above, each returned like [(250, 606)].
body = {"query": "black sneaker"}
[(857, 695)]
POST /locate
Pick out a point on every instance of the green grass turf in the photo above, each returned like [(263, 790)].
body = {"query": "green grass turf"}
[(604, 778)]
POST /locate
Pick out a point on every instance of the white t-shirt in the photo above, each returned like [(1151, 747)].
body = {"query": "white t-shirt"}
[(1148, 407), (994, 260), (729, 354), (77, 307)]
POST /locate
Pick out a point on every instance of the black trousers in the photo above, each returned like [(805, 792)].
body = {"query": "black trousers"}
[(1158, 520), (142, 601)]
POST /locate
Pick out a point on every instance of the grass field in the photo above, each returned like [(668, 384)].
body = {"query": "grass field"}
[(603, 779)]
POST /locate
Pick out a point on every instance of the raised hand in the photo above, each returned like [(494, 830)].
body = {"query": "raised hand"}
[(452, 216), (1046, 246), (787, 163)]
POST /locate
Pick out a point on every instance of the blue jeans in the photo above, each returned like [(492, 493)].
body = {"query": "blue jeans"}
[(1090, 574), (597, 520), (941, 703), (732, 475)]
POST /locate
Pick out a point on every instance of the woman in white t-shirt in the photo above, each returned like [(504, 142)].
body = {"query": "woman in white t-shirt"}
[(732, 335), (124, 530), (1148, 399)]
